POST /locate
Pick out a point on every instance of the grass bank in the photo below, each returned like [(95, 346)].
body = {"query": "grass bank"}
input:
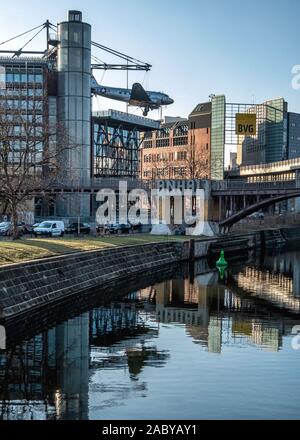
[(27, 249)]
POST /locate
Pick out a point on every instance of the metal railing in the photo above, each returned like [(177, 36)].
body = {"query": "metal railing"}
[(242, 185)]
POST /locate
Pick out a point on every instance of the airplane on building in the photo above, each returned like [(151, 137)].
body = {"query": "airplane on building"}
[(137, 96)]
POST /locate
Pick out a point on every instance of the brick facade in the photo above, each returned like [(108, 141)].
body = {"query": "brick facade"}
[(180, 149)]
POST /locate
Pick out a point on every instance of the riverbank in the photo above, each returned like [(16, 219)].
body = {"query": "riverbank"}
[(28, 249), (28, 286), (25, 287)]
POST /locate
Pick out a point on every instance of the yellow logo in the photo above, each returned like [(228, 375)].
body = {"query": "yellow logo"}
[(246, 124)]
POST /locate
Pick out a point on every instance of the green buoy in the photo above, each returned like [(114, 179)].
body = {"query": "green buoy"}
[(222, 272), (222, 263)]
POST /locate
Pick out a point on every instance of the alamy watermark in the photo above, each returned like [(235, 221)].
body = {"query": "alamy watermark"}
[(2, 338), (296, 338), (178, 206)]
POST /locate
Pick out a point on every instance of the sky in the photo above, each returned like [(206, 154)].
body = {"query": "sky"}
[(245, 50)]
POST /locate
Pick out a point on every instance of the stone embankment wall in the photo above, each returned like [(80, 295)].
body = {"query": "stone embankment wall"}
[(29, 286), (35, 284)]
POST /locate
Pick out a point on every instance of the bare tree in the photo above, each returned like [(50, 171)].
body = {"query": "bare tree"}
[(161, 166), (197, 163), (31, 160)]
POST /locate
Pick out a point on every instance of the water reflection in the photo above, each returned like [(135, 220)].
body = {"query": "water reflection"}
[(106, 361)]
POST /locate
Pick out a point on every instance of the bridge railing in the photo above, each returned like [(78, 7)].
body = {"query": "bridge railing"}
[(227, 185)]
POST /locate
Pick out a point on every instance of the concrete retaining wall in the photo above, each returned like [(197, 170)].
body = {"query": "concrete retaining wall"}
[(27, 286)]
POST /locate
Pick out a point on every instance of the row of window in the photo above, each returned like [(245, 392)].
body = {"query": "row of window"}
[(18, 146), (30, 92), (164, 157), (272, 177), (23, 104), (165, 132), (166, 172), (166, 142), (24, 77), (36, 119), (21, 92), (176, 142), (22, 131), (181, 130)]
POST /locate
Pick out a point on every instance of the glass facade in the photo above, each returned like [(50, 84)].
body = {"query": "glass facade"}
[(270, 143), (218, 137), (293, 135), (115, 150), (22, 104), (276, 130)]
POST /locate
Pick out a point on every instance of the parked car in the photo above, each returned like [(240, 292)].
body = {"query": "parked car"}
[(51, 228), (115, 228), (124, 228), (6, 228), (137, 227), (85, 228), (179, 230)]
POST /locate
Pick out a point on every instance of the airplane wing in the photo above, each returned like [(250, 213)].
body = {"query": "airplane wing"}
[(138, 93)]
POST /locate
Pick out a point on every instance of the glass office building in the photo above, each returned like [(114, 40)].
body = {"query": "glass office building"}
[(218, 137), (276, 130)]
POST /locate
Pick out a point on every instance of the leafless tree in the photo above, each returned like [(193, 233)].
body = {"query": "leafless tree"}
[(31, 159), (197, 163)]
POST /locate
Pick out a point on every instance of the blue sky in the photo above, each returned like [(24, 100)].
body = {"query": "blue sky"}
[(245, 50)]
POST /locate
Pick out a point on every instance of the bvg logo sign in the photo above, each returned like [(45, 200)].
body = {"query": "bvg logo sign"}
[(246, 124)]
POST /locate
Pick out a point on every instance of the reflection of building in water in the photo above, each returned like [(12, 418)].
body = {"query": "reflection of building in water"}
[(25, 374), (276, 288), (190, 303), (109, 324), (53, 364), (288, 265), (215, 316), (120, 336), (267, 337), (72, 364), (266, 334), (48, 377)]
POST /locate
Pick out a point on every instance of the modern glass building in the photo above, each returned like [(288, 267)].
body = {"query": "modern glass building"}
[(293, 135), (276, 130), (116, 143), (218, 137), (270, 144)]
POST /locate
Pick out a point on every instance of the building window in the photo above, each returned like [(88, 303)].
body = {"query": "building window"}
[(183, 140), (147, 144), (181, 130), (163, 142), (181, 155), (163, 133)]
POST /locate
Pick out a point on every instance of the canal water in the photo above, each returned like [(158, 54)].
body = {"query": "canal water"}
[(198, 346)]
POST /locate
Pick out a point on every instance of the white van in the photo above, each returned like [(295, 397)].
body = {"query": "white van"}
[(51, 228)]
